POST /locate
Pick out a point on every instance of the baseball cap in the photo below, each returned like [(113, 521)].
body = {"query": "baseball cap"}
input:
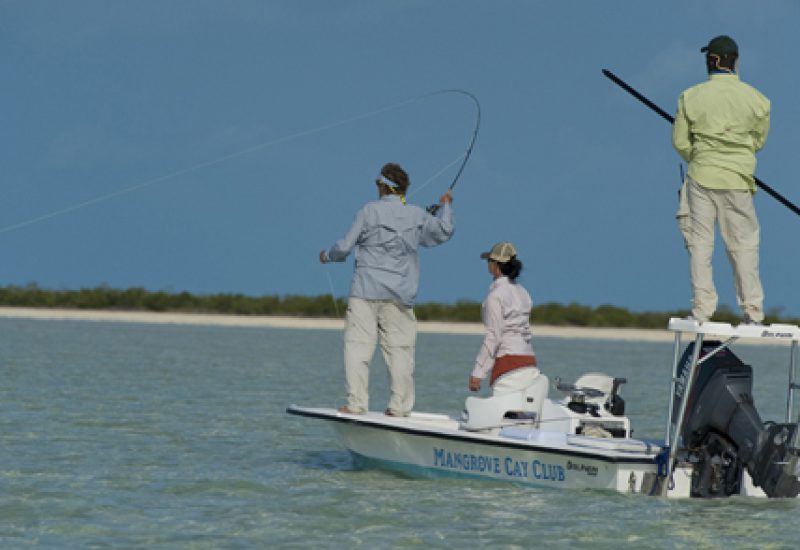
[(501, 252), (721, 45)]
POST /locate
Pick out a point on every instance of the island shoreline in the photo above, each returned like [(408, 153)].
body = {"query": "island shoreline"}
[(268, 321)]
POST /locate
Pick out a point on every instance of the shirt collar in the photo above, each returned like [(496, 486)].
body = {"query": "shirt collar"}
[(719, 75), (501, 280)]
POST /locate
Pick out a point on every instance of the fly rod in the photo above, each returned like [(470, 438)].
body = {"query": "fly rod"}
[(625, 86), (435, 207)]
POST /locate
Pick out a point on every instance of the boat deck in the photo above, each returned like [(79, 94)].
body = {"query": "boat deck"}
[(774, 332), (513, 434)]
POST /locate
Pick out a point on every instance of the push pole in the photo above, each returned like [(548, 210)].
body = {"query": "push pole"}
[(625, 86)]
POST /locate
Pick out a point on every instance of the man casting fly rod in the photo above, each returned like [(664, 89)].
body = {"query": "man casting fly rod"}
[(386, 235)]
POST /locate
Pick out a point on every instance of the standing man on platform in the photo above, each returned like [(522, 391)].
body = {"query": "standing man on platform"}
[(386, 234), (719, 126)]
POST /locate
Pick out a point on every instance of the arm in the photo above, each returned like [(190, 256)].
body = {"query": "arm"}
[(493, 320), (681, 136), (439, 228), (339, 251), (761, 130)]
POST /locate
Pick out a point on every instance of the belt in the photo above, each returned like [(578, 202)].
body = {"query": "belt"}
[(507, 363)]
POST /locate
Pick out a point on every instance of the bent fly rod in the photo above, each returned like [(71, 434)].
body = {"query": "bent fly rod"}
[(435, 207), (625, 86)]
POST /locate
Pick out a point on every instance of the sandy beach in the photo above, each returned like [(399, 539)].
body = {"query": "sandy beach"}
[(267, 321), (149, 317)]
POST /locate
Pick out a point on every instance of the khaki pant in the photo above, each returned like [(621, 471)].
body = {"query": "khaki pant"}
[(395, 327), (699, 211)]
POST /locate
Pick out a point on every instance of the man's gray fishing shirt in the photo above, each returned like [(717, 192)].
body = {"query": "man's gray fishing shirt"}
[(386, 234)]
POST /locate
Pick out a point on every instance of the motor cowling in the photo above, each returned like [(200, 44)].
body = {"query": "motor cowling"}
[(724, 434)]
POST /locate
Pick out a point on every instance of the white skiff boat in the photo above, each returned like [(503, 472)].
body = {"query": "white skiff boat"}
[(715, 442)]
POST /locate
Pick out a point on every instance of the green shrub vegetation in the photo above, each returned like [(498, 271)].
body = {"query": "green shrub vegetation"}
[(139, 299)]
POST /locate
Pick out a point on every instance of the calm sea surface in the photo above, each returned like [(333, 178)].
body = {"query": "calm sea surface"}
[(139, 436)]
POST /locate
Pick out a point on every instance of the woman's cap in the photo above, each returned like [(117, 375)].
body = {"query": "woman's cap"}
[(721, 45), (501, 253)]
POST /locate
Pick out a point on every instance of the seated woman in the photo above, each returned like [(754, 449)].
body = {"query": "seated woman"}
[(506, 351)]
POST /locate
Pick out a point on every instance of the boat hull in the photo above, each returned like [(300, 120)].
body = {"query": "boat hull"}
[(433, 446)]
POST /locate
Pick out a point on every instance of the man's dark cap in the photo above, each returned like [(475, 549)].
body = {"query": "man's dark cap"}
[(722, 46)]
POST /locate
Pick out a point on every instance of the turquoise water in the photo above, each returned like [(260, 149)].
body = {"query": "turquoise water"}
[(139, 436)]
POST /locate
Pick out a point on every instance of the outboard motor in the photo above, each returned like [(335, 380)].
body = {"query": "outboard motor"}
[(723, 433)]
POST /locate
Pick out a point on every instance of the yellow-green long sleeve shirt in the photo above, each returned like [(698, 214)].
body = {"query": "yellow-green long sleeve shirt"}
[(719, 126)]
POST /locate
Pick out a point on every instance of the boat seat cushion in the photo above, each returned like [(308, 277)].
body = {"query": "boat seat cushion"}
[(486, 413)]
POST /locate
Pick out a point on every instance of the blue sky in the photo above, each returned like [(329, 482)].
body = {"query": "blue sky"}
[(218, 146)]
